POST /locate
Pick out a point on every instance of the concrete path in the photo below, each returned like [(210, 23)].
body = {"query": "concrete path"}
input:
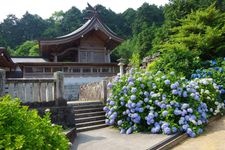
[(110, 139), (212, 139)]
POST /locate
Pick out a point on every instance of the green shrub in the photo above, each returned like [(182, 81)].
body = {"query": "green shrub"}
[(177, 57), (21, 128)]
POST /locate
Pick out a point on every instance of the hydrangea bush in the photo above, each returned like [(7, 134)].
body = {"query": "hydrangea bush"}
[(162, 103)]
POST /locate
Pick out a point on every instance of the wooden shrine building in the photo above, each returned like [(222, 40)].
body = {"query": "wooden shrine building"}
[(6, 62), (83, 52)]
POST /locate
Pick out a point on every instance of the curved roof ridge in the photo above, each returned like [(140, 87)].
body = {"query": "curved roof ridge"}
[(93, 23), (76, 31)]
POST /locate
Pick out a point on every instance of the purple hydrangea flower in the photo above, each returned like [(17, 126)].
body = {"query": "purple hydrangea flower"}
[(146, 94), (122, 131), (133, 97), (111, 103), (141, 110), (119, 122), (174, 92), (184, 106), (177, 112), (133, 90), (109, 85), (122, 103), (174, 129), (167, 82), (165, 113), (185, 94), (167, 130), (129, 130), (190, 110)]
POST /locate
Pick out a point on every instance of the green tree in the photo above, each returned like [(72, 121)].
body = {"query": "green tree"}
[(200, 36), (71, 20), (54, 25), (32, 26), (203, 31), (28, 48), (146, 16), (9, 31)]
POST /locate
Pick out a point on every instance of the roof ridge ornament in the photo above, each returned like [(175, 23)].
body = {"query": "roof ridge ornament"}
[(93, 11)]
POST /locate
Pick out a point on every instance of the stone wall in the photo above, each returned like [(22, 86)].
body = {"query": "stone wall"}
[(71, 92), (72, 86), (63, 115), (94, 91)]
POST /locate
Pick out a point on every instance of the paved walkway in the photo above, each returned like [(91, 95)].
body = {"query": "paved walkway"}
[(110, 139), (212, 139)]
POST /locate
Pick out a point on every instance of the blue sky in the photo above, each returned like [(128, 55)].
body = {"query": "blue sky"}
[(45, 8)]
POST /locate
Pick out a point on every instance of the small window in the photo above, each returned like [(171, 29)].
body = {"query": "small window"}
[(96, 69), (76, 69), (38, 69), (86, 70), (28, 69), (105, 69), (65, 69), (57, 69), (48, 69)]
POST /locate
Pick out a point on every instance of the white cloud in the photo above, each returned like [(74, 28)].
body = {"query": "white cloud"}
[(45, 8)]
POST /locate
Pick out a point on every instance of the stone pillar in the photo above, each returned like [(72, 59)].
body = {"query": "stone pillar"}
[(121, 64), (2, 82), (59, 86), (121, 68), (104, 85), (55, 58)]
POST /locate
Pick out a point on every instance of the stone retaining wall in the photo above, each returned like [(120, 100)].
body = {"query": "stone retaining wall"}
[(94, 91), (63, 115)]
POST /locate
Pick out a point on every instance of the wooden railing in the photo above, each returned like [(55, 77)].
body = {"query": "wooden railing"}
[(32, 89), (43, 70)]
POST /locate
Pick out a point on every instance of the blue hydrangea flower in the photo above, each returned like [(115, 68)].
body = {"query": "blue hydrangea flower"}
[(164, 113), (129, 130), (122, 131), (133, 97), (167, 82), (111, 103), (167, 130), (109, 85), (119, 122), (133, 90)]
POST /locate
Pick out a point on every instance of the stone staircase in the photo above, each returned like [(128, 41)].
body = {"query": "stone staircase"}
[(89, 115)]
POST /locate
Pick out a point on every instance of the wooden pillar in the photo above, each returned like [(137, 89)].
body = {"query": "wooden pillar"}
[(104, 85), (59, 77), (2, 82)]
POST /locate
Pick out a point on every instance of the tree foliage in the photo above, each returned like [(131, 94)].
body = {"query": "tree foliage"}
[(28, 48), (21, 128), (200, 36)]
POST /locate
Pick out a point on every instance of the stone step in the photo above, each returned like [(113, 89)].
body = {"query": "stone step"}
[(88, 119), (80, 103), (88, 106), (89, 114), (91, 123), (87, 110), (82, 129)]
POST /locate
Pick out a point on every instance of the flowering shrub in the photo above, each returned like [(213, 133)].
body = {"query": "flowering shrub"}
[(162, 103), (216, 70)]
